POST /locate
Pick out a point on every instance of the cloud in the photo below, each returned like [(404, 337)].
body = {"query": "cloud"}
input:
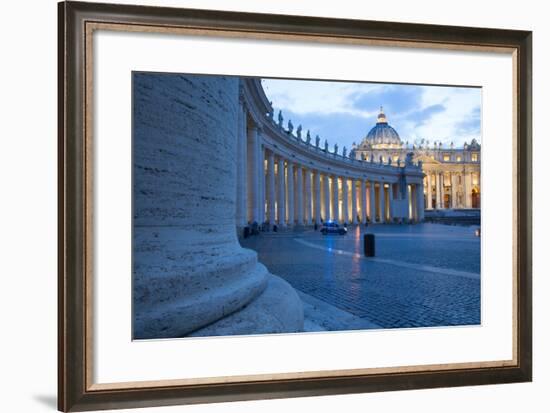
[(394, 99), (341, 128), (344, 112), (424, 115)]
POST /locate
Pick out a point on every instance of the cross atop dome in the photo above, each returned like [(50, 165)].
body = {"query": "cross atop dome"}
[(382, 116)]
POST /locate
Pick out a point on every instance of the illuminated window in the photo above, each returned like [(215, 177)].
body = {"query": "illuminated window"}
[(474, 157), (395, 158), (446, 158), (459, 158)]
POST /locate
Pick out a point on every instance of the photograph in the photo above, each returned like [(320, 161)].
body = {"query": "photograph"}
[(293, 206), (255, 205)]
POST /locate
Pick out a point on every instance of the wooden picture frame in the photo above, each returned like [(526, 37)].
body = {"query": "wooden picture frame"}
[(76, 392)]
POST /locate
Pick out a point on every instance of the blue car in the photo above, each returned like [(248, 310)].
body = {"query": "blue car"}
[(333, 228)]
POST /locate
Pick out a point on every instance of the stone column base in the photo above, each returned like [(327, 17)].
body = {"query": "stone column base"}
[(278, 309)]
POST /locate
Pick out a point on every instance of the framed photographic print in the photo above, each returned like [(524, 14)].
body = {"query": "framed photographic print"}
[(261, 206)]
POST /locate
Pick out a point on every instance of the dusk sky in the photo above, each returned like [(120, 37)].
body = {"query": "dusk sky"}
[(344, 112)]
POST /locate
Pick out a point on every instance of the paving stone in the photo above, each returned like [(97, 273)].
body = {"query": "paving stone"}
[(381, 293)]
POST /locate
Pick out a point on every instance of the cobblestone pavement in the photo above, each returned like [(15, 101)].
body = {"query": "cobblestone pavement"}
[(423, 275)]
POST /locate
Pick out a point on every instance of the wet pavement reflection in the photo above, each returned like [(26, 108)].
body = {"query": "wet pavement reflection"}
[(422, 276)]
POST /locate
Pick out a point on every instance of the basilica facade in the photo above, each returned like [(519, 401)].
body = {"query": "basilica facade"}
[(452, 174)]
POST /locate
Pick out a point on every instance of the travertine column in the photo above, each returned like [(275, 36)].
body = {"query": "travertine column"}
[(345, 209), (390, 202), (363, 200), (414, 209), (468, 189), (326, 186), (429, 190), (290, 192), (253, 175), (443, 191), (382, 198), (335, 199), (281, 201), (317, 202), (353, 201), (241, 167), (299, 196), (213, 286), (454, 190), (438, 194), (372, 192), (307, 206), (262, 174), (271, 187), (419, 202)]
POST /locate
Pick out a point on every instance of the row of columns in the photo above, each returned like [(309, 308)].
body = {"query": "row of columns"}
[(295, 195), (437, 180), (277, 190)]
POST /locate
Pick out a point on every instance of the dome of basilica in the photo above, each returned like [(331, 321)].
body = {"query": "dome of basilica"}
[(382, 133)]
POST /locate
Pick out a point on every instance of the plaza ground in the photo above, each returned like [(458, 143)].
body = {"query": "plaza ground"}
[(423, 275)]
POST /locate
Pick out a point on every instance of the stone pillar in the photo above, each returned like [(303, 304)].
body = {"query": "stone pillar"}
[(317, 202), (382, 197), (307, 211), (429, 190), (366, 201), (262, 175), (326, 186), (299, 196), (454, 190), (353, 201), (408, 193), (335, 199), (363, 199), (420, 202), (468, 189), (414, 211), (443, 191), (214, 286), (242, 167), (253, 175), (290, 193), (438, 195), (281, 201), (271, 187), (372, 202), (390, 202), (345, 194)]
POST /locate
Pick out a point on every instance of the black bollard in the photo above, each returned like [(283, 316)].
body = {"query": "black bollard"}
[(368, 244), (246, 232)]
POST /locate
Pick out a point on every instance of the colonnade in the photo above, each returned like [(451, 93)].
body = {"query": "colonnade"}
[(284, 192), (285, 181), (458, 185)]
